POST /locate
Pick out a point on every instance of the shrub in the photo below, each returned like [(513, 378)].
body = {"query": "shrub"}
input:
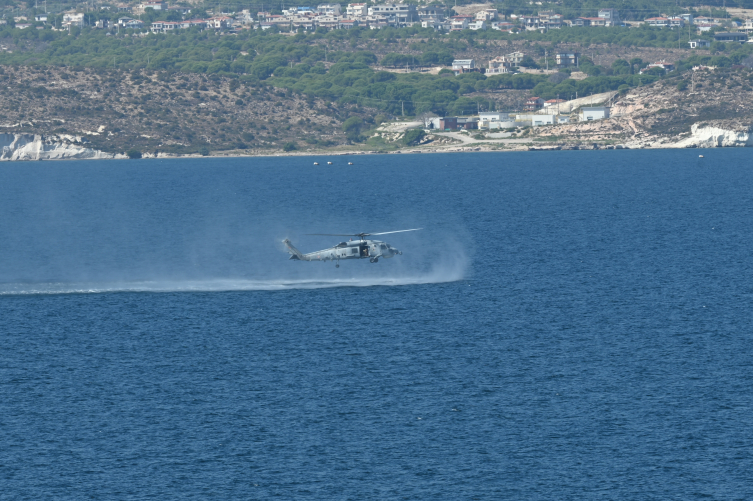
[(682, 85), (290, 146), (133, 154), (203, 151), (247, 136), (413, 136)]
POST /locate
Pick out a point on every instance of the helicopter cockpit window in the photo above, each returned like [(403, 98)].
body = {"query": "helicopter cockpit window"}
[(383, 247)]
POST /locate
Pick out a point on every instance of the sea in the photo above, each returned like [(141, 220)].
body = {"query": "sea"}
[(568, 325)]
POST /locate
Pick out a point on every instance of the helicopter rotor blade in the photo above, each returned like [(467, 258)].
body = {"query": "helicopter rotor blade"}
[(335, 234), (361, 235), (398, 231)]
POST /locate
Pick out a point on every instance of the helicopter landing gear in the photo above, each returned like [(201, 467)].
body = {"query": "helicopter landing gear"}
[(374, 260), (338, 264)]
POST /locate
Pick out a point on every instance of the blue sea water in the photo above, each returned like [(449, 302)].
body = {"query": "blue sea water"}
[(567, 325)]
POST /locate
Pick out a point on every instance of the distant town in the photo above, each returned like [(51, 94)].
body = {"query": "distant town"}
[(375, 16)]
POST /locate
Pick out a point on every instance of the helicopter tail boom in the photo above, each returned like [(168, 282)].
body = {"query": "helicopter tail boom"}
[(294, 253)]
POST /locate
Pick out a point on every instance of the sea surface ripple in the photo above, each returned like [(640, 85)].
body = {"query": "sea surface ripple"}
[(568, 325)]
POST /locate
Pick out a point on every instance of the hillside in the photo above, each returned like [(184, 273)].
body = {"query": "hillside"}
[(179, 113)]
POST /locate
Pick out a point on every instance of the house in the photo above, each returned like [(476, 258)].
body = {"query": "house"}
[(611, 15), (699, 43), (534, 103), (448, 123), (736, 36), (536, 120), (486, 15), (41, 18), (747, 26), (431, 13), (590, 21), (553, 102), (467, 123), (134, 24), (499, 65), (493, 116), (477, 25), (193, 23), (356, 10), (432, 23), (595, 113), (659, 64), (503, 26), (702, 27), (329, 9), (219, 22), (346, 24), (182, 10), (164, 26), (515, 58), (459, 24), (564, 59), (397, 14), (72, 19), (156, 5), (494, 120), (463, 66), (563, 119), (22, 26), (657, 22)]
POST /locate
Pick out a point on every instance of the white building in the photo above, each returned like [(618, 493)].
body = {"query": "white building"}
[(73, 20), (596, 113), (536, 119), (477, 25), (463, 66), (699, 43), (329, 9), (498, 66), (396, 13), (356, 10)]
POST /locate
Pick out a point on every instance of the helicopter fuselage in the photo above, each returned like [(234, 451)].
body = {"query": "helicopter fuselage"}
[(353, 249)]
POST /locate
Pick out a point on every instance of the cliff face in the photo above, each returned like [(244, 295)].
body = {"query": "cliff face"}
[(705, 136), (36, 147)]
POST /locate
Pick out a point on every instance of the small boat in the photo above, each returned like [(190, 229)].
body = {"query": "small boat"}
[(700, 156), (329, 163), (350, 163), (316, 163)]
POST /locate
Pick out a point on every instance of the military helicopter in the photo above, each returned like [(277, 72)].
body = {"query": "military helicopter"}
[(352, 249)]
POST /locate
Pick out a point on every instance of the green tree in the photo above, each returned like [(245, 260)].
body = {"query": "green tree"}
[(133, 154), (413, 136), (290, 146), (352, 128)]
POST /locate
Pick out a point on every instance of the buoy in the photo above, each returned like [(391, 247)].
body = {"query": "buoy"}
[(316, 163), (700, 156), (350, 163)]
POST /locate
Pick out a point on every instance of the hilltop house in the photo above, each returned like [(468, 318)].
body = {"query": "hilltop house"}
[(463, 66), (735, 36), (595, 113), (699, 43), (499, 65), (534, 103), (565, 59)]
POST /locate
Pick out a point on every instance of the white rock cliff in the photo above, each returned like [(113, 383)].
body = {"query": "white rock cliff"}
[(36, 147), (715, 137)]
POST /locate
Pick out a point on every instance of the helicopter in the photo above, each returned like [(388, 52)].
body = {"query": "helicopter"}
[(352, 249)]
